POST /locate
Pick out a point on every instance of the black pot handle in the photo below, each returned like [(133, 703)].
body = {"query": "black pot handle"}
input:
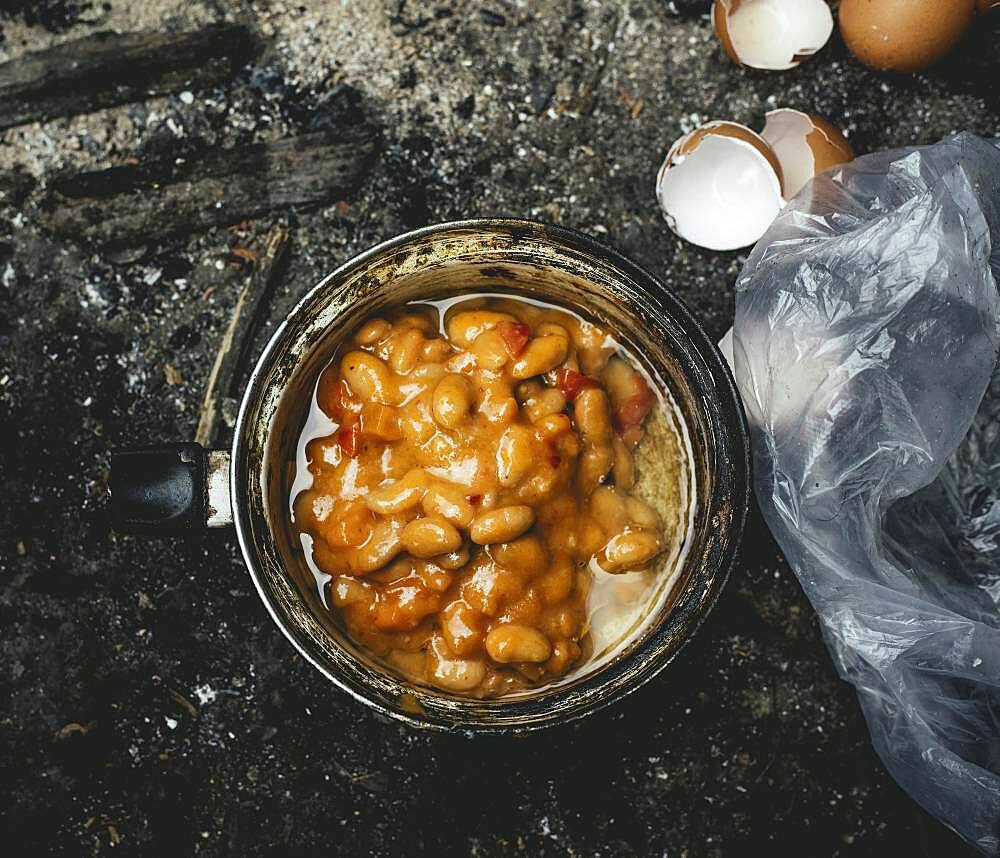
[(169, 489)]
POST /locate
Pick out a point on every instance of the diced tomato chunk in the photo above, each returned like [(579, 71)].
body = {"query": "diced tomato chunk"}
[(633, 410), (349, 437), (515, 336), (380, 421), (475, 500), (572, 383)]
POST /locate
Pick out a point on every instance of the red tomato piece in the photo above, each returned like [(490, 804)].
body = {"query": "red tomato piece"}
[(349, 437), (515, 336), (572, 383)]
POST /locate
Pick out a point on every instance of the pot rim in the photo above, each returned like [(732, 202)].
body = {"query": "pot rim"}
[(731, 410)]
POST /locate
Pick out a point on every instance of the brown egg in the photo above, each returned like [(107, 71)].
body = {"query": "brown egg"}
[(904, 35)]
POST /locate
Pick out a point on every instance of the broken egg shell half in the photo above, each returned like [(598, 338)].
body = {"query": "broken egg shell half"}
[(805, 145), (772, 34), (904, 35), (720, 186), (985, 6)]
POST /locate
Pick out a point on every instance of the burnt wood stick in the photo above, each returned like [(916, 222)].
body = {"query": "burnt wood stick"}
[(132, 205), (114, 68), (231, 361)]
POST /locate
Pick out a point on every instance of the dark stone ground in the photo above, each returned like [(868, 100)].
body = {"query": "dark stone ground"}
[(147, 705)]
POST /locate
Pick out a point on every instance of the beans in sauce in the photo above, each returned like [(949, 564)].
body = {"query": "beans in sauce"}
[(478, 478)]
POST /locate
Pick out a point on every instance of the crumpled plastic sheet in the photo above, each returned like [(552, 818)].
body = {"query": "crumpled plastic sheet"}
[(865, 344)]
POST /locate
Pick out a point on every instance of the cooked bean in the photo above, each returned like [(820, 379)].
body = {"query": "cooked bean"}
[(453, 560), (590, 538), (430, 536), (551, 329), (545, 403), (623, 469), (515, 455), (541, 355), (628, 551), (490, 586), (345, 591), (464, 327), (501, 525), (538, 487), (526, 611), (416, 419), (436, 350), (454, 674), (496, 403), (404, 604), (427, 374), (594, 464), (500, 412), (348, 525), (462, 627), (434, 577), (452, 400), (490, 350), (368, 377), (556, 584), (592, 414), (407, 350), (400, 495), (450, 502), (524, 555), (564, 653), (528, 390), (372, 331), (383, 545), (563, 622), (609, 508), (509, 643), (619, 379), (593, 360), (424, 319), (553, 426)]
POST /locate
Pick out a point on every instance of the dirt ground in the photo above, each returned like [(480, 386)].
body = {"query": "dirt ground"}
[(147, 703)]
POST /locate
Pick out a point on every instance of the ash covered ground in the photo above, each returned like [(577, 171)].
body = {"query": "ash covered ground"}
[(147, 704)]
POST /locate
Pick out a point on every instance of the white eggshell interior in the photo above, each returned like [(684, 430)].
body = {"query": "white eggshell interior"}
[(722, 196), (787, 132), (769, 34)]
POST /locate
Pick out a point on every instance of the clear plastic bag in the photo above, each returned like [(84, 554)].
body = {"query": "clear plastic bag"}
[(865, 344)]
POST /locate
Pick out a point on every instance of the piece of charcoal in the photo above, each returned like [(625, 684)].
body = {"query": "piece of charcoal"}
[(106, 68)]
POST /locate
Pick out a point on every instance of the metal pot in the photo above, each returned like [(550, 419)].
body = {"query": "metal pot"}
[(172, 489)]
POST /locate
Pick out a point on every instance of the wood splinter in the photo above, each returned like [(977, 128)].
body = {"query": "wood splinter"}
[(232, 357)]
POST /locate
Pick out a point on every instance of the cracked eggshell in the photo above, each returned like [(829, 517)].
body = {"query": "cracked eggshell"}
[(985, 6), (772, 34), (904, 35), (720, 186), (805, 146)]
